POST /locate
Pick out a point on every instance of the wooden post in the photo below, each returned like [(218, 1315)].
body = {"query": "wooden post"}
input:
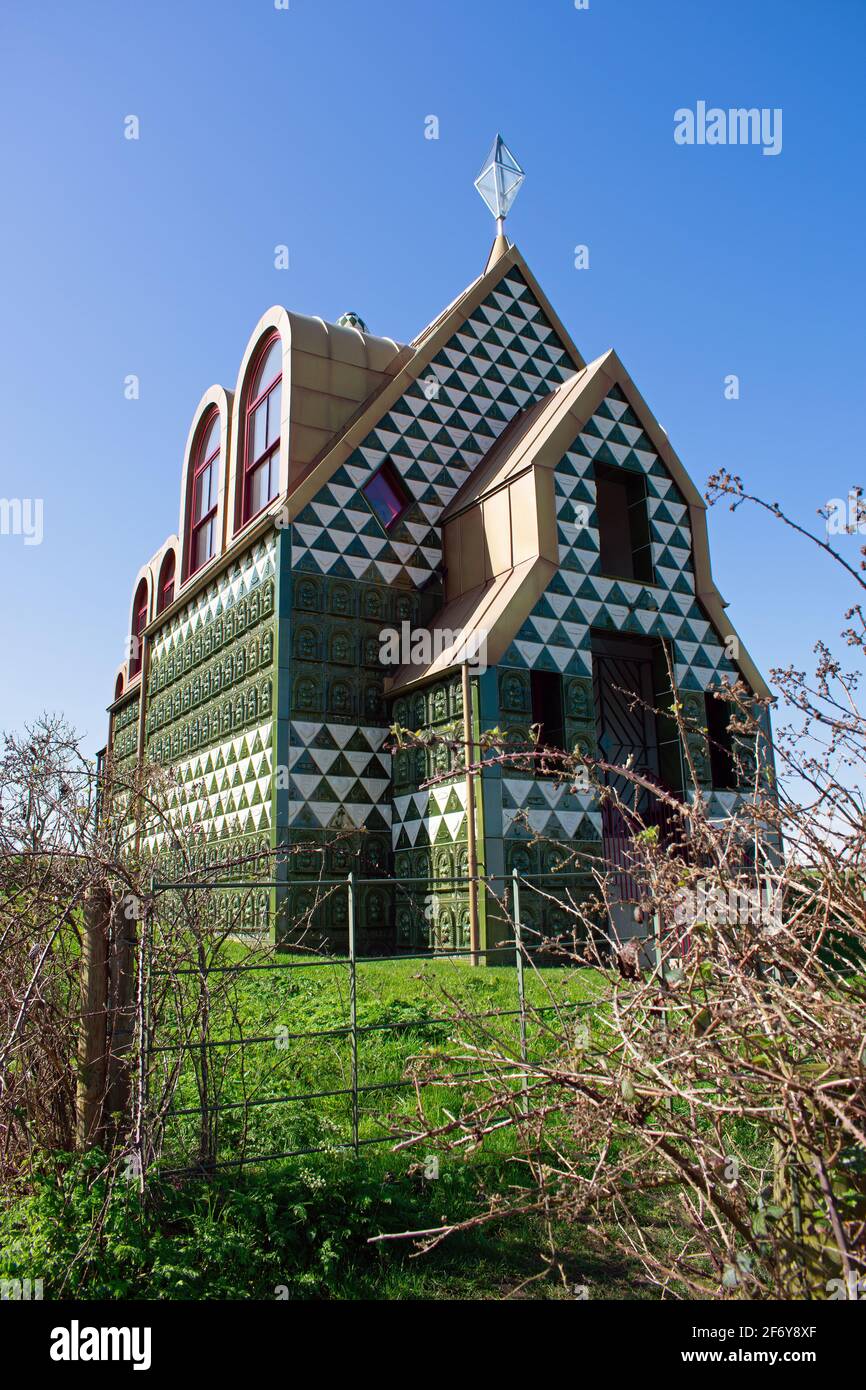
[(471, 847), (121, 1011), (92, 1033), (121, 956)]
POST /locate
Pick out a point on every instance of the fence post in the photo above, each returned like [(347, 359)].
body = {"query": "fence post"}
[(521, 983), (94, 999), (142, 1004), (471, 843), (353, 1008), (121, 1010)]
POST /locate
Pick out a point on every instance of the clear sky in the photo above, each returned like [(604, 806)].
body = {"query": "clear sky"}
[(306, 127)]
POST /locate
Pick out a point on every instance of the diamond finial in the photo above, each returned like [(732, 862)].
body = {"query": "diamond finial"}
[(500, 179)]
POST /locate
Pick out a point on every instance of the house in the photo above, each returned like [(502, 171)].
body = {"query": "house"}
[(482, 481)]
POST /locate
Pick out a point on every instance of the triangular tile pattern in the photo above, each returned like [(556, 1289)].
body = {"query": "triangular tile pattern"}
[(239, 580), (434, 816), (536, 806), (224, 791), (338, 772), (555, 636), (505, 357)]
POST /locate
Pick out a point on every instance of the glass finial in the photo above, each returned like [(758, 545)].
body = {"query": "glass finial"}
[(500, 179)]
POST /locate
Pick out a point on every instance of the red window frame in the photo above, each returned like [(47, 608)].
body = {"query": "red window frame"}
[(269, 456), (166, 582), (203, 463), (139, 623)]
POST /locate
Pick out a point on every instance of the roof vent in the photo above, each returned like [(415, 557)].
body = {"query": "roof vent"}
[(352, 320)]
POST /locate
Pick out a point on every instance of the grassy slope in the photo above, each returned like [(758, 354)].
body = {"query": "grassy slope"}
[(405, 1009), (302, 1225)]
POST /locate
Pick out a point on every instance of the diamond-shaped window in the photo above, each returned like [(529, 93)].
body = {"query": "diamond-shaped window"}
[(387, 495)]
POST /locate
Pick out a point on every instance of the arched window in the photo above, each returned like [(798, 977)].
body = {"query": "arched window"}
[(203, 495), (165, 594), (262, 430), (118, 686), (139, 623)]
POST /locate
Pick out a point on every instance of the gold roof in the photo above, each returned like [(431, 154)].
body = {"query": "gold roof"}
[(499, 531)]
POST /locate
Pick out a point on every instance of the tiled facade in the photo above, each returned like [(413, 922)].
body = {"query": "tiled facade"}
[(266, 694)]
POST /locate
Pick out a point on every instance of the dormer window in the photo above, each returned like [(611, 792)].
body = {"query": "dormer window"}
[(165, 595), (139, 623), (387, 495), (625, 551), (204, 495), (262, 438)]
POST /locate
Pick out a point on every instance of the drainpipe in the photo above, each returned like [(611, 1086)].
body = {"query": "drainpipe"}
[(472, 849), (142, 735)]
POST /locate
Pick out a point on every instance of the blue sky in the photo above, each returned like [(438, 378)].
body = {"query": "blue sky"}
[(305, 127)]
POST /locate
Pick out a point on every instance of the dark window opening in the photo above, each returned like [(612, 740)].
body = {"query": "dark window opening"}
[(546, 690), (625, 550), (387, 495), (722, 769), (671, 768)]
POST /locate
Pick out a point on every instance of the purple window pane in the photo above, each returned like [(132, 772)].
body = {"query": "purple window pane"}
[(387, 502)]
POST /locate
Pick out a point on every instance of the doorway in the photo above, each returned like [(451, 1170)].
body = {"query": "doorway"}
[(624, 688)]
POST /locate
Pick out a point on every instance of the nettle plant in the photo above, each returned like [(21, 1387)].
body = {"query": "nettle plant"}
[(705, 1116)]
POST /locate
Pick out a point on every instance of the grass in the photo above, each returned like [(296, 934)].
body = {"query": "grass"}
[(300, 1227), (297, 1230), (405, 1009)]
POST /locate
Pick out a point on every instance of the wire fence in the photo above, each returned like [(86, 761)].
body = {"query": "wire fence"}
[(253, 1050)]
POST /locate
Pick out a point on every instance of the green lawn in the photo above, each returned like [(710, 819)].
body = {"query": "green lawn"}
[(300, 1227), (405, 1009)]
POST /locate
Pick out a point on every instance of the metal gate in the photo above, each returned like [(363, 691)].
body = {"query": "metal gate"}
[(228, 1073)]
